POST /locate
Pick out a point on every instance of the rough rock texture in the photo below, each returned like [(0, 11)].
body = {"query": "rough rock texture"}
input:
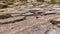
[(30, 19), (3, 4)]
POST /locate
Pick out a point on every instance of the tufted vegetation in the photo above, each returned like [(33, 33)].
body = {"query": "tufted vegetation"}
[(9, 2), (53, 1)]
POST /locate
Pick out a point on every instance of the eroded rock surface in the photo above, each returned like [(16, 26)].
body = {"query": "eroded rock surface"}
[(25, 19)]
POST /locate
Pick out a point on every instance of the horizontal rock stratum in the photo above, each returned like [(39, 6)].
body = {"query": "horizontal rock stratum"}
[(30, 21)]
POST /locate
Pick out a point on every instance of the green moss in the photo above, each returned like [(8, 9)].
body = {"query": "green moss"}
[(9, 2), (53, 1)]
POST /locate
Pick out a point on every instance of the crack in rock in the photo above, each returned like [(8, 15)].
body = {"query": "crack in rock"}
[(4, 16), (12, 20), (49, 13), (55, 21)]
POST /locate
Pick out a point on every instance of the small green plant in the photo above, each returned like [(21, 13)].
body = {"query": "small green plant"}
[(53, 1), (9, 2)]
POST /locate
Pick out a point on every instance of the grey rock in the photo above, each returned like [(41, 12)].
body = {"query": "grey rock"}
[(55, 30)]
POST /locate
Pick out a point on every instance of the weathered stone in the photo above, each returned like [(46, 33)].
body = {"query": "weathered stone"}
[(54, 30), (3, 4), (4, 16), (55, 21)]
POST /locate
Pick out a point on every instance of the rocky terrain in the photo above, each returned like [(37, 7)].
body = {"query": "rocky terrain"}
[(27, 18)]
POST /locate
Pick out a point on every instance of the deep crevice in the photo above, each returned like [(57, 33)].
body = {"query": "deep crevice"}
[(54, 22), (13, 21), (4, 16), (49, 13)]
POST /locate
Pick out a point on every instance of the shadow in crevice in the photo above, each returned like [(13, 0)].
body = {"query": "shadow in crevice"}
[(54, 22), (18, 20), (49, 13), (4, 16)]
